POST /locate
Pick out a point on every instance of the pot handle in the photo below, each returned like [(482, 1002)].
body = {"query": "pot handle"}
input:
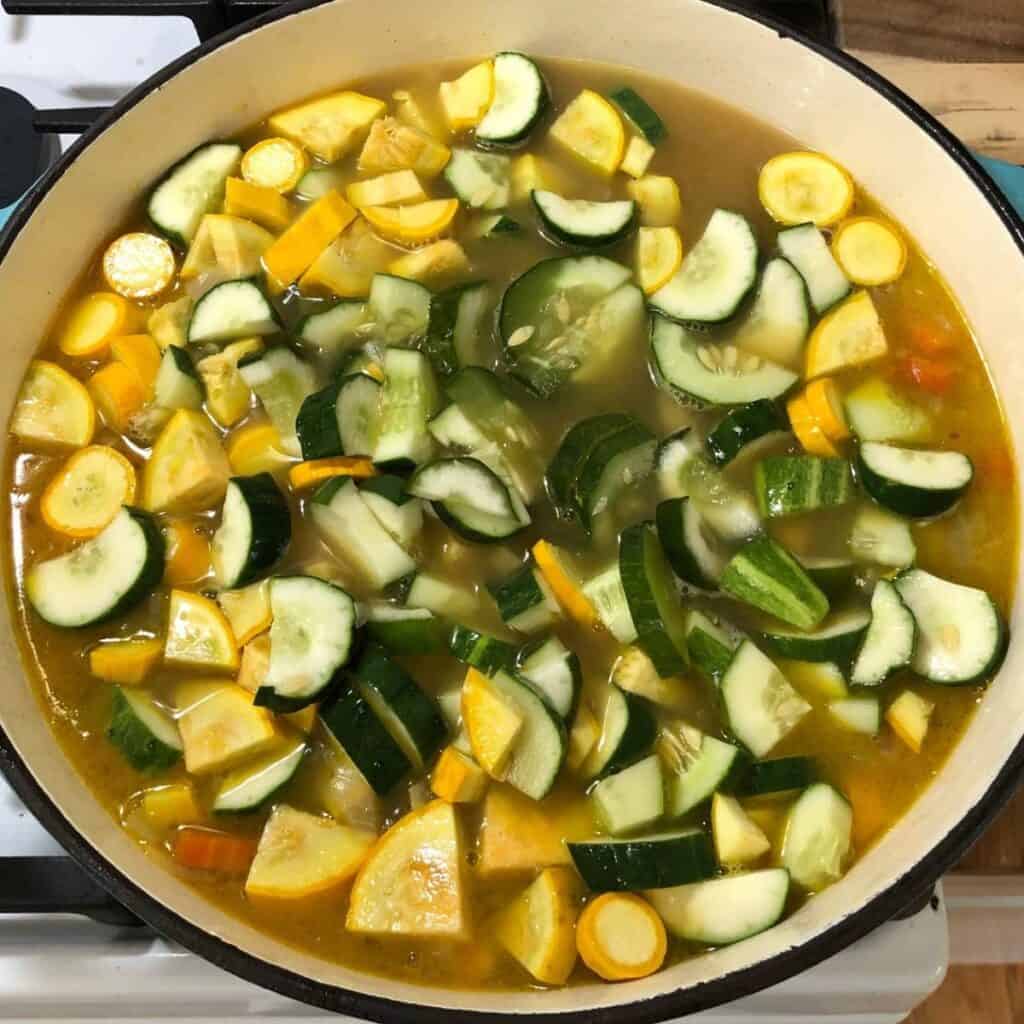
[(206, 15), (57, 885)]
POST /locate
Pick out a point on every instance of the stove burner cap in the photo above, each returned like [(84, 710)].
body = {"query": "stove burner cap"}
[(22, 147)]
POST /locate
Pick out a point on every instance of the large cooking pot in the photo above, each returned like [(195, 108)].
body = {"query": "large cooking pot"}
[(826, 100)]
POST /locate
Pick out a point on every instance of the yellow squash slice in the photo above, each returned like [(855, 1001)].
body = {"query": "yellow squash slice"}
[(391, 189), (198, 634), (591, 129), (659, 252), (53, 407), (304, 475), (657, 196), (467, 99), (331, 126), (168, 324), (909, 715), (318, 225), (738, 839), (187, 557), (346, 267), (258, 203), (799, 187), (227, 395), (492, 723), (247, 610), (439, 261), (256, 448), (531, 172), (117, 393), (226, 246), (457, 778), (808, 428), (539, 927), (141, 354), (255, 662), (870, 251), (552, 567), (275, 163), (637, 159), (92, 323), (166, 807), (88, 491), (393, 146), (220, 726), (411, 225), (850, 335), (127, 662), (138, 265), (517, 835), (621, 936), (187, 470), (583, 737), (300, 854), (412, 883), (826, 405)]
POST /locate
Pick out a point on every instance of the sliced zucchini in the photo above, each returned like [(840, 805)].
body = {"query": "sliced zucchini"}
[(144, 733), (408, 400), (913, 482), (102, 577), (627, 733), (572, 455), (565, 314), (730, 509), (716, 275), (335, 330), (452, 428), (586, 223), (358, 411), (806, 249), (495, 226), (614, 463), (449, 600), (640, 113), (889, 641), (178, 384), (657, 862), (605, 593), (763, 574), (485, 653), (192, 188), (761, 706), (857, 714), (405, 631), (255, 529), (818, 837), (282, 381), (482, 181), (881, 538), (672, 459), (834, 575), (524, 600), (837, 639), (696, 555), (777, 324), (520, 98), (317, 425), (700, 372), (779, 775), (632, 798), (232, 310), (875, 412), (741, 427), (724, 910), (253, 785), (554, 672), (456, 320), (709, 646), (961, 636), (699, 766), (635, 673), (310, 641), (398, 308), (399, 513), (792, 484)]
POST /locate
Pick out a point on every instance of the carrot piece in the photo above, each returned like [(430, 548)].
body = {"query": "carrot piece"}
[(929, 375), (826, 405), (565, 589), (620, 936), (306, 474), (188, 553), (928, 337), (118, 394), (203, 849)]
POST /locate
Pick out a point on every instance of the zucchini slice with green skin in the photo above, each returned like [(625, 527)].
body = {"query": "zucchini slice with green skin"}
[(653, 600), (565, 313), (614, 463), (729, 508), (524, 600), (398, 308), (255, 530), (696, 555), (357, 409), (833, 575), (178, 384), (701, 373), (251, 787), (101, 577), (412, 718), (456, 322), (716, 275), (483, 181), (354, 724), (672, 458), (406, 631), (310, 641), (913, 482), (788, 485), (699, 771), (232, 310), (889, 641), (334, 330), (571, 456), (485, 653), (761, 706), (741, 427), (452, 428), (632, 798), (779, 775), (709, 646), (818, 837), (399, 513), (520, 99), (765, 575), (497, 225), (317, 424), (586, 223), (640, 112), (605, 593), (724, 910), (837, 639), (778, 323), (554, 672), (191, 188), (628, 731), (961, 635), (876, 412), (804, 246), (409, 399), (449, 600), (881, 538), (144, 733), (657, 862), (469, 497), (281, 381)]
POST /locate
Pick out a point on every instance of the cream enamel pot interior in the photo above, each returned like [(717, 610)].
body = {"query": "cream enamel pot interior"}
[(827, 101)]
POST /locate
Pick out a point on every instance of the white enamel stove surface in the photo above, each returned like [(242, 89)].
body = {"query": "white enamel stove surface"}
[(69, 969)]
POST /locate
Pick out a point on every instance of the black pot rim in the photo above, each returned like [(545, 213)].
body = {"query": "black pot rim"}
[(888, 904)]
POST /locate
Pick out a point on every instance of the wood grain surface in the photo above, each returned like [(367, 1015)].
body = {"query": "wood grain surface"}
[(975, 995)]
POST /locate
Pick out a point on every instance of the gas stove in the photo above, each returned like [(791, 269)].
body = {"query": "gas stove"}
[(67, 952)]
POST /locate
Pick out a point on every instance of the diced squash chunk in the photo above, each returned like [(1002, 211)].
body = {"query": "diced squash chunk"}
[(256, 448), (53, 407), (247, 610), (187, 557), (909, 715), (318, 225), (230, 247), (304, 719), (393, 146), (411, 225), (531, 172), (637, 158), (738, 840), (198, 634), (391, 189), (441, 260), (331, 126), (591, 130), (658, 199), (567, 591), (346, 267), (583, 737), (167, 807), (539, 927), (141, 354), (847, 336), (92, 323), (300, 854), (257, 203), (517, 835), (228, 397), (458, 778), (220, 726), (168, 324), (187, 470), (275, 163), (138, 265), (466, 100), (492, 723), (255, 662), (621, 936), (117, 393), (126, 661), (412, 883)]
